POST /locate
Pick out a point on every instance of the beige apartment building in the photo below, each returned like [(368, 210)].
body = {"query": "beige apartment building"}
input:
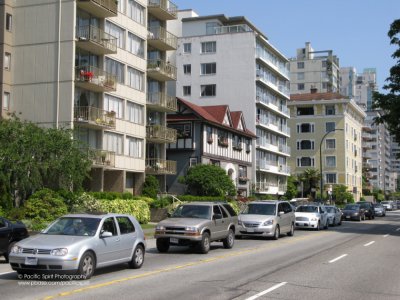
[(313, 115), (83, 64)]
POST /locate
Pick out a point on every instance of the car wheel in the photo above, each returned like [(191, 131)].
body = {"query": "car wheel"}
[(229, 240), (318, 226), (205, 243), (326, 224), (277, 233), (334, 222), (137, 257), (162, 245), (87, 265), (291, 232)]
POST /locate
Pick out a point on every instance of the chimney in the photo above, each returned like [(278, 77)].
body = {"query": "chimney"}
[(313, 90)]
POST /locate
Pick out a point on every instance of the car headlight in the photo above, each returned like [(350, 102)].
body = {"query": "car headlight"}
[(240, 222), (356, 214), (160, 228), (269, 222), (191, 229), (16, 249), (314, 219), (59, 252)]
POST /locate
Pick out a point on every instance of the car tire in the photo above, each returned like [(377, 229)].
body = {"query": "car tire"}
[(205, 243), (87, 265), (334, 222), (326, 224), (318, 228), (277, 233), (162, 245), (291, 232), (229, 241), (137, 257)]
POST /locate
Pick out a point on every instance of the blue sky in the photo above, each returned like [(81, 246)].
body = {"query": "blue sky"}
[(356, 30)]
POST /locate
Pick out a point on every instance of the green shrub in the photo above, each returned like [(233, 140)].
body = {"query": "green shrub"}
[(150, 187), (86, 203), (127, 195), (16, 214), (2, 212), (137, 208), (191, 198), (161, 203)]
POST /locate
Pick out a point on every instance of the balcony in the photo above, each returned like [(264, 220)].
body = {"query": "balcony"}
[(223, 141), (99, 8), (161, 102), (263, 187), (94, 79), (102, 157), (94, 117), (95, 40), (157, 166), (163, 9), (160, 134), (161, 39), (160, 70)]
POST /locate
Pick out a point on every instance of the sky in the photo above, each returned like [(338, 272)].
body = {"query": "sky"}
[(356, 30)]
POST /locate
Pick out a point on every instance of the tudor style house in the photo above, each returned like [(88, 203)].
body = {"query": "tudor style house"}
[(210, 135)]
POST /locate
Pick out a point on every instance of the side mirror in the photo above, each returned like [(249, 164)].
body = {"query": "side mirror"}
[(217, 216), (281, 213), (106, 234)]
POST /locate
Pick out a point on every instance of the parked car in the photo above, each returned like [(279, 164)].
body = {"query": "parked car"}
[(334, 215), (353, 212), (368, 207), (81, 243), (10, 233), (389, 205), (380, 210), (311, 216), (266, 218), (198, 224)]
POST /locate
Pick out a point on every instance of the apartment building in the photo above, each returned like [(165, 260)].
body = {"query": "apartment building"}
[(211, 135), (312, 69), (82, 64), (327, 126), (228, 61)]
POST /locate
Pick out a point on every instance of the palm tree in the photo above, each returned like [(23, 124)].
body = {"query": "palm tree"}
[(310, 179)]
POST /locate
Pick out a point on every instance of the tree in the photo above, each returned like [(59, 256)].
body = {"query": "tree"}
[(310, 178), (209, 180), (291, 190), (390, 103), (341, 195), (150, 187), (33, 158)]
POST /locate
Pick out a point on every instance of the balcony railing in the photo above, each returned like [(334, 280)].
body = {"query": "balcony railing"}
[(94, 79), (264, 186), (96, 40), (161, 102), (100, 8), (157, 166), (102, 157), (94, 116), (163, 9), (161, 70), (158, 37), (160, 134), (232, 29)]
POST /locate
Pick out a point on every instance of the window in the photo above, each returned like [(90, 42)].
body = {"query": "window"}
[(113, 142), (210, 27), (242, 172), (208, 68), (215, 162), (330, 161), (300, 86), (187, 47), (136, 12), (135, 44), (323, 64), (192, 161), (208, 47), (8, 22), (6, 101), (330, 178), (330, 110), (305, 162), (135, 79), (324, 85), (115, 68), (187, 90), (208, 90), (305, 127), (209, 132), (330, 144), (187, 69), (330, 126), (109, 226), (7, 61), (116, 31), (305, 111), (134, 147), (305, 145), (125, 225), (134, 113), (112, 103), (300, 76), (300, 65)]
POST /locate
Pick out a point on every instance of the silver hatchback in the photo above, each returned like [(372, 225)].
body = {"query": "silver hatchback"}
[(266, 218), (80, 243)]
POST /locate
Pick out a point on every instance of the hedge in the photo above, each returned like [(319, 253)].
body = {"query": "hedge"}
[(137, 208)]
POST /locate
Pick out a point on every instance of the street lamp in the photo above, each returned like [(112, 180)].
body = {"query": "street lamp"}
[(320, 156)]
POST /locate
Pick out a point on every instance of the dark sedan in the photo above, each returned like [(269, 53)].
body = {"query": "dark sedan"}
[(9, 234), (353, 212)]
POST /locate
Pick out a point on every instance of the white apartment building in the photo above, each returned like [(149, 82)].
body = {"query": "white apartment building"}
[(314, 70), (227, 60)]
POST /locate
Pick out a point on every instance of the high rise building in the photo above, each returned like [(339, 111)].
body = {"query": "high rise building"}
[(228, 61)]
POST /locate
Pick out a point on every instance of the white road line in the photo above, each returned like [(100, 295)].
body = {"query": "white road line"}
[(368, 244), (267, 291), (386, 235), (337, 258), (7, 273)]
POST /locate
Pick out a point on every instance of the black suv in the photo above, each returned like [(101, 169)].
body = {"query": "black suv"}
[(369, 209)]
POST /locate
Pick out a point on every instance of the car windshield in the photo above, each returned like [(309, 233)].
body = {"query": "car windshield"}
[(378, 205), (192, 211), (260, 209), (352, 207), (74, 226), (364, 205), (385, 202), (307, 209), (330, 210)]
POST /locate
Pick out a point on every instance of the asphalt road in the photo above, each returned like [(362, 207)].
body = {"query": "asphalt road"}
[(352, 261)]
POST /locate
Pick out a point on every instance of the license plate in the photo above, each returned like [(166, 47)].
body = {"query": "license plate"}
[(174, 240), (31, 261), (347, 217), (250, 229)]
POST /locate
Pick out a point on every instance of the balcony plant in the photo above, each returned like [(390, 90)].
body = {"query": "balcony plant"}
[(223, 141), (210, 140)]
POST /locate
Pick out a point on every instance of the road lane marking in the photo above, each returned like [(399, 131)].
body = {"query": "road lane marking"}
[(369, 244), (277, 286), (337, 258), (386, 235), (7, 273)]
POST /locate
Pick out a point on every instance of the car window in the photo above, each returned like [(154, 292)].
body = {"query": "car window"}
[(230, 209), (216, 210), (280, 207), (287, 207), (307, 209), (109, 225), (192, 211), (267, 209), (125, 225), (224, 213)]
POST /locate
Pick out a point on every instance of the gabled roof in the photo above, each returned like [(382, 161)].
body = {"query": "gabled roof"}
[(316, 96)]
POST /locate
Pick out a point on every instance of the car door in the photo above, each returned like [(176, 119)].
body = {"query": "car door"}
[(289, 215), (283, 219), (128, 236), (109, 249), (219, 223), (4, 235), (324, 215)]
